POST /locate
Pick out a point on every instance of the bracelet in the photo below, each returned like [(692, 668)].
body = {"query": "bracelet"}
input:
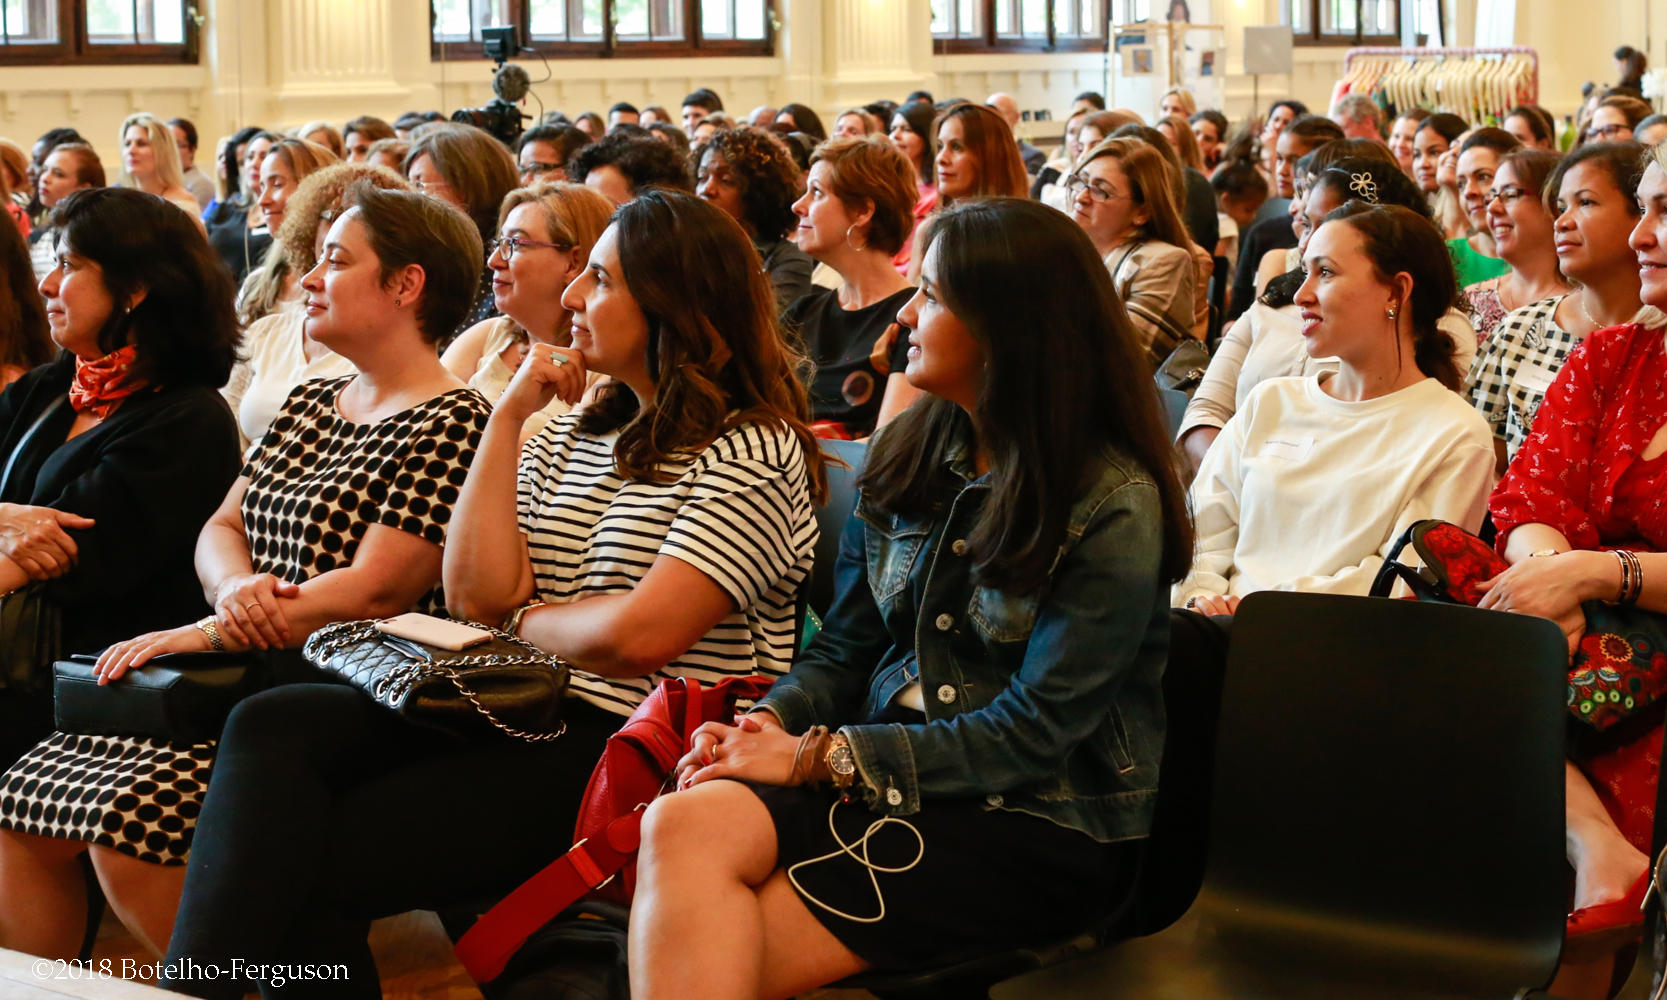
[(1632, 577), (804, 763), (512, 621), (209, 628)]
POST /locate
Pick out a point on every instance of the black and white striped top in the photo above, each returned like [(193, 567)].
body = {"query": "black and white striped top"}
[(739, 511)]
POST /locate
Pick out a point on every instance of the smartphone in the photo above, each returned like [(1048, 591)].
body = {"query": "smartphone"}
[(436, 632)]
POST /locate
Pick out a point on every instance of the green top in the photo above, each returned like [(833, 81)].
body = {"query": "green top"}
[(1472, 266)]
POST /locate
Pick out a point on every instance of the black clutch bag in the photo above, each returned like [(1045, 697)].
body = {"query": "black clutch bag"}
[(508, 685), (179, 697)]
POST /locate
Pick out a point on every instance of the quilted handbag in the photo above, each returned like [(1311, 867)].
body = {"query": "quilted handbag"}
[(183, 698), (635, 768), (507, 685)]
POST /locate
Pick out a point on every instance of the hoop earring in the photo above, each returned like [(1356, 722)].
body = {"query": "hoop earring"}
[(848, 239)]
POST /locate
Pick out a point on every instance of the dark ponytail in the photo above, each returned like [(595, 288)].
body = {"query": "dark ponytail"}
[(1398, 240)]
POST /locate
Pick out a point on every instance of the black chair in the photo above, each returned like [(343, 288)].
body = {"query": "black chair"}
[(831, 516), (1387, 817), (1173, 860)]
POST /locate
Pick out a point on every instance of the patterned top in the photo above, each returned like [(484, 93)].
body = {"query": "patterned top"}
[(317, 481), (1481, 303), (1582, 469), (738, 511), (1515, 367)]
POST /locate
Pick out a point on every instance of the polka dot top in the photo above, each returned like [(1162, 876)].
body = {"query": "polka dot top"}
[(317, 482)]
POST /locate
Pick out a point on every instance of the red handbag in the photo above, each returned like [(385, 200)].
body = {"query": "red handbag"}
[(635, 768)]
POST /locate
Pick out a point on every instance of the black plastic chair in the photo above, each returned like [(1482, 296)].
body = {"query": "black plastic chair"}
[(1387, 815), (831, 516), (1173, 861)]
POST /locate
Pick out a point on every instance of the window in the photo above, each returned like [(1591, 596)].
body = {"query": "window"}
[(1354, 22), (608, 27), (98, 31), (1018, 25)]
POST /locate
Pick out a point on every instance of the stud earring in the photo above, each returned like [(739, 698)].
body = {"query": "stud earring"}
[(1391, 313), (397, 304)]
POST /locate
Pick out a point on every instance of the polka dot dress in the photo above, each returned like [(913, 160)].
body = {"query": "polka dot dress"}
[(317, 483)]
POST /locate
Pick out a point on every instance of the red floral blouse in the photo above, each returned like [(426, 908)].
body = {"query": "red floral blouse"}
[(1581, 471)]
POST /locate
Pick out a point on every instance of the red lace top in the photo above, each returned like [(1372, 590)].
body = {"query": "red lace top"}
[(1580, 470)]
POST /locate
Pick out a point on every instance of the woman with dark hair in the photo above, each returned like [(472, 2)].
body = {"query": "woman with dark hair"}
[(856, 213), (236, 229), (799, 118), (1475, 258), (1533, 126), (1435, 137), (664, 531), (990, 666), (977, 157), (1123, 196), (1314, 478), (120, 448), (1582, 498), (324, 524), (1266, 342), (1651, 131), (1520, 224), (471, 171), (749, 174), (1592, 195), (913, 134), (1280, 116), (24, 341)]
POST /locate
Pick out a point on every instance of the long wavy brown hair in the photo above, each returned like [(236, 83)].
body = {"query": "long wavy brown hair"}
[(715, 350)]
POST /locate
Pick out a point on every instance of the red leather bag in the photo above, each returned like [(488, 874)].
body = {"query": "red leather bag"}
[(635, 768)]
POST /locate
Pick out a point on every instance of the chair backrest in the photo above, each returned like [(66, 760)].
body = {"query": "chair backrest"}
[(1172, 865), (1389, 781), (831, 516)]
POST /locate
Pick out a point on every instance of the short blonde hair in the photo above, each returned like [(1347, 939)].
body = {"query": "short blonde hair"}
[(872, 170), (574, 213), (168, 170), (1187, 100)]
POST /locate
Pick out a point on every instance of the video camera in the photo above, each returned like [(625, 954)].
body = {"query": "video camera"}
[(500, 117)]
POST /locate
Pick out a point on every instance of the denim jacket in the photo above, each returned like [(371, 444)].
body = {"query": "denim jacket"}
[(1048, 703)]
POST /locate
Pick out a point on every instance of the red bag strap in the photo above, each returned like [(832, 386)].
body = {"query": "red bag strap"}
[(488, 946)]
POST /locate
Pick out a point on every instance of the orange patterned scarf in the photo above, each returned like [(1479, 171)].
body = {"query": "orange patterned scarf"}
[(100, 385)]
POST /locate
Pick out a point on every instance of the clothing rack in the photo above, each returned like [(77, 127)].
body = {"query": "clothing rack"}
[(1471, 82)]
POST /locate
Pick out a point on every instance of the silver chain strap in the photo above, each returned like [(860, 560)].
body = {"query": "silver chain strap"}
[(333, 640)]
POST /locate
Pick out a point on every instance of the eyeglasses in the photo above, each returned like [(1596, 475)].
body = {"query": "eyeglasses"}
[(509, 246), (427, 187), (535, 167), (1606, 133), (1074, 184), (1507, 196)]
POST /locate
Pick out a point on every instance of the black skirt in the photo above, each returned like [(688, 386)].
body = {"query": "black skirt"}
[(970, 878)]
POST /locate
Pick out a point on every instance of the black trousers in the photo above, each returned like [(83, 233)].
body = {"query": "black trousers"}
[(326, 811)]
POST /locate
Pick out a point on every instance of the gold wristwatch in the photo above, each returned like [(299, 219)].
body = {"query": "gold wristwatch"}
[(209, 628), (512, 624), (842, 763)]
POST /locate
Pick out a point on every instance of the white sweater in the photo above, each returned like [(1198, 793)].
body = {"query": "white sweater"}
[(1305, 492)]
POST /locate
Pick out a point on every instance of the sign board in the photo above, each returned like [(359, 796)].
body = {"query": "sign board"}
[(1267, 50)]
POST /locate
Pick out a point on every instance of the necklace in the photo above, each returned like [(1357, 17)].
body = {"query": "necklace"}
[(1588, 312)]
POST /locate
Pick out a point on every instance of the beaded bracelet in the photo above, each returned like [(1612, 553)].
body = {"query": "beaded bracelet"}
[(812, 737)]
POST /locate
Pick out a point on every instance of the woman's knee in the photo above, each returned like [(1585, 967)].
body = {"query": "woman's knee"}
[(294, 719), (722, 822)]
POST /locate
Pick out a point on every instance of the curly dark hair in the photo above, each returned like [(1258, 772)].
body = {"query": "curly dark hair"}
[(764, 170), (184, 329), (645, 162)]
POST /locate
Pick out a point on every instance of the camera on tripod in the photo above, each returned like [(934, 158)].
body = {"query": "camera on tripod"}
[(500, 117)]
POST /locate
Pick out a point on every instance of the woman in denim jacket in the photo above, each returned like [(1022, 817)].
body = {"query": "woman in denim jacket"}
[(990, 668)]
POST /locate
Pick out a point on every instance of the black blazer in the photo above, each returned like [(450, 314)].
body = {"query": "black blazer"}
[(150, 474)]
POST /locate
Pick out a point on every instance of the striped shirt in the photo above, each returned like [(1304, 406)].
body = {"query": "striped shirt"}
[(738, 511)]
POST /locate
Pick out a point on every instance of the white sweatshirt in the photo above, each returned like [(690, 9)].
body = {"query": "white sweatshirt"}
[(1305, 492)]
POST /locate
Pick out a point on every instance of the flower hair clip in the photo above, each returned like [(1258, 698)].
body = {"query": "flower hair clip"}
[(1363, 185)]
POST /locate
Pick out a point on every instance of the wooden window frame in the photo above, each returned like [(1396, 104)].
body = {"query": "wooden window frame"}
[(73, 47), (1314, 37), (692, 45), (991, 42)]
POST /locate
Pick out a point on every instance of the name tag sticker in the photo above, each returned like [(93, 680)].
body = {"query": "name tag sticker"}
[(1535, 379), (1289, 449)]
